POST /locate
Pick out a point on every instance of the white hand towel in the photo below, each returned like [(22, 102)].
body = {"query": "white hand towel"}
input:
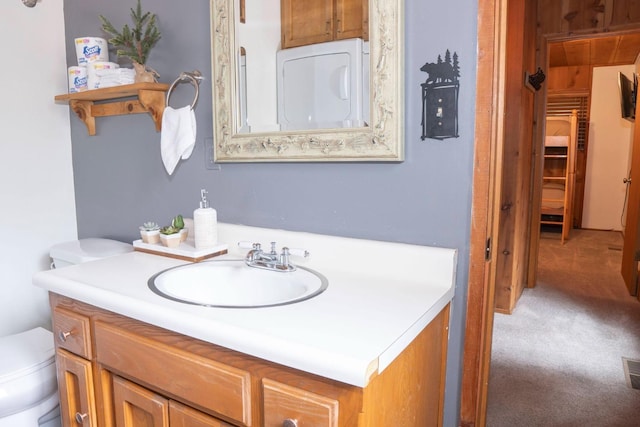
[(178, 136)]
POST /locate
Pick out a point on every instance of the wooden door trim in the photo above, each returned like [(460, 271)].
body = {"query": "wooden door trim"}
[(488, 140), (540, 112)]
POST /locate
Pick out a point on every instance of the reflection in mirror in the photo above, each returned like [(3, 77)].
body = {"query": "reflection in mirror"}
[(316, 85), (322, 101), (321, 86), (242, 91), (260, 35)]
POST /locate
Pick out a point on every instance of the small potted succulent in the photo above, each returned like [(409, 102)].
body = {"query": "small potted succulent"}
[(178, 222), (150, 232), (170, 236)]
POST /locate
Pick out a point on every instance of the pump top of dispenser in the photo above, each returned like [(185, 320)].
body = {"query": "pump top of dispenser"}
[(204, 203)]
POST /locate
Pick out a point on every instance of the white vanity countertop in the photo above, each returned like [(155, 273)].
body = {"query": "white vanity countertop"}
[(380, 296)]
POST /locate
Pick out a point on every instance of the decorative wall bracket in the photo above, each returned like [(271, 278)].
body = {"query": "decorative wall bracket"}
[(150, 99), (534, 81)]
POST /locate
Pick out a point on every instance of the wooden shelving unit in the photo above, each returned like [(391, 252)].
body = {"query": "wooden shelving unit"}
[(141, 98), (558, 177)]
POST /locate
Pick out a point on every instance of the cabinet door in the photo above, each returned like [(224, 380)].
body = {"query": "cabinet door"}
[(352, 19), (138, 407), (75, 383), (184, 416), (306, 22), (290, 406)]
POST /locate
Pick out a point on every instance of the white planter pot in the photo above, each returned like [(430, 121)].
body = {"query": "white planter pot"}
[(184, 233), (151, 237), (170, 240)]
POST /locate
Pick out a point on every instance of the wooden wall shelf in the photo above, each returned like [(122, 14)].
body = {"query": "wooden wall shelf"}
[(150, 99)]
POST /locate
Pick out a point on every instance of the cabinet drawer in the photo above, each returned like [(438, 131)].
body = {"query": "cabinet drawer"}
[(72, 332), (283, 402), (193, 379)]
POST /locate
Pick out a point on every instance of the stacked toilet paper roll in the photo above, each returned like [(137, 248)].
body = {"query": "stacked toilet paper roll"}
[(77, 79), (91, 49)]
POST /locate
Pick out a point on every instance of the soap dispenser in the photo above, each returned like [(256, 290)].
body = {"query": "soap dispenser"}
[(205, 224)]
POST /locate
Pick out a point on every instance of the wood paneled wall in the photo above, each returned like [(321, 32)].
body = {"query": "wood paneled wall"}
[(566, 16), (512, 245), (564, 80)]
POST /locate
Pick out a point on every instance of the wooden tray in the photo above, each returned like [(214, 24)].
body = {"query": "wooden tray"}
[(185, 251)]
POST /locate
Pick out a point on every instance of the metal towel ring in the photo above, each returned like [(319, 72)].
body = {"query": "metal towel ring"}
[(194, 78)]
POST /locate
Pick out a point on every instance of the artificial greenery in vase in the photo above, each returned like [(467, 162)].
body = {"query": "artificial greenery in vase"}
[(136, 42)]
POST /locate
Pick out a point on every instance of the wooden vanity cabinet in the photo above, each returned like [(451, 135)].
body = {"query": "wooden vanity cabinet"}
[(140, 375), (316, 21)]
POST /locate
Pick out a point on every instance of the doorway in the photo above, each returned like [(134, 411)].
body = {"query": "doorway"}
[(490, 99), (536, 221), (570, 63)]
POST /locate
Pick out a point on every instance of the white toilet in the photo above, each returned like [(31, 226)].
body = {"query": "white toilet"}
[(28, 387)]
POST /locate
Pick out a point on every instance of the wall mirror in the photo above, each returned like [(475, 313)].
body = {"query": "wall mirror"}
[(247, 126)]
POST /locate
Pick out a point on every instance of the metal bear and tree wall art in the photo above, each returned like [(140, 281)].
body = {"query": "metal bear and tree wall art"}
[(440, 98)]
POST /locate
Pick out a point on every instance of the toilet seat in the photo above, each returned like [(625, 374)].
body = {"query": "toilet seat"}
[(27, 370)]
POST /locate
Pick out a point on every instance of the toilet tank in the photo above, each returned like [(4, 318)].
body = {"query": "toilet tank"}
[(84, 250)]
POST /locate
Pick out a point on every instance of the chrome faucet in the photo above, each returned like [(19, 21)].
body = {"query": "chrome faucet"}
[(271, 260)]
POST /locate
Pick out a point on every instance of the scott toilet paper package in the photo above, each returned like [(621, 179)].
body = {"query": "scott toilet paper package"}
[(91, 49), (77, 79)]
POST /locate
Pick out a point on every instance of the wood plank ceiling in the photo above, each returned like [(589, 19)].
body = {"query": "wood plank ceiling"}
[(597, 51)]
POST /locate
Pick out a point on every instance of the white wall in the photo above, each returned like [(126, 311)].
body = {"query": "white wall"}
[(36, 176), (608, 155), (260, 35)]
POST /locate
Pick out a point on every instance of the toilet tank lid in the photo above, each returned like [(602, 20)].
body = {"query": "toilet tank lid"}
[(83, 250), (24, 352)]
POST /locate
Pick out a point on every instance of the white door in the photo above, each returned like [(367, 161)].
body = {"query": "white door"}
[(607, 162)]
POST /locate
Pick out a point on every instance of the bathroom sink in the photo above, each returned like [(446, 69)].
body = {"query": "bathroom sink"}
[(233, 284)]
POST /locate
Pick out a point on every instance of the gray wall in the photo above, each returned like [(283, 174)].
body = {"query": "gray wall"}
[(120, 180)]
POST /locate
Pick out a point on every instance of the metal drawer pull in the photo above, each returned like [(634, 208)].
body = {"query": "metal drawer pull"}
[(80, 417), (290, 423), (63, 335)]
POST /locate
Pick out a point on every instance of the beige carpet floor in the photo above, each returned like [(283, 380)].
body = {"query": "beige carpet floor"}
[(557, 360)]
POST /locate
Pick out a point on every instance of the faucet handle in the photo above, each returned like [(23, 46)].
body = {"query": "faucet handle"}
[(303, 253), (245, 244)]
